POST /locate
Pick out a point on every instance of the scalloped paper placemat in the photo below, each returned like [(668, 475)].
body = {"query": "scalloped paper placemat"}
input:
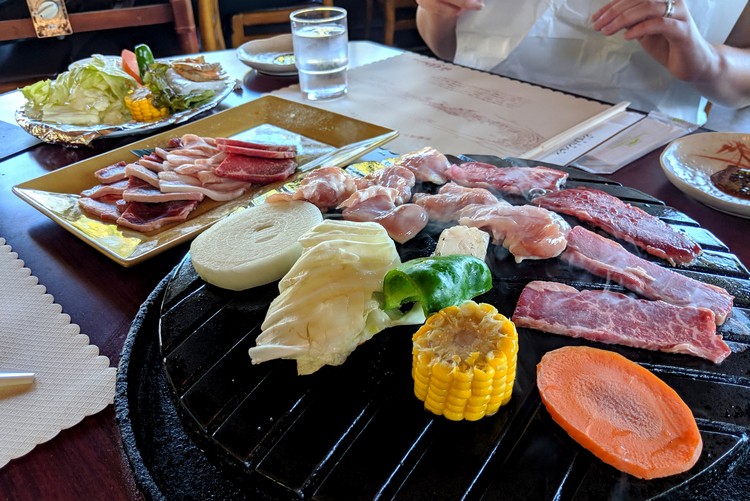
[(72, 380)]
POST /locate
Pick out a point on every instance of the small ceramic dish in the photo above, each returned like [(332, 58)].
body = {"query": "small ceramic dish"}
[(689, 162), (272, 56)]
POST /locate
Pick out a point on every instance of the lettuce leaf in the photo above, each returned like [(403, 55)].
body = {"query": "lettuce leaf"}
[(91, 92), (168, 93)]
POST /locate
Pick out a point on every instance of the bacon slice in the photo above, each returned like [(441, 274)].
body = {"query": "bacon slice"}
[(115, 189), (111, 173), (146, 217), (508, 180), (451, 198), (623, 221), (142, 173), (527, 232), (256, 152), (614, 318), (106, 211), (149, 194), (606, 258), (258, 146)]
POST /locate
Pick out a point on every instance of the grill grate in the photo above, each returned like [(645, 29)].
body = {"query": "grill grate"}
[(357, 432)]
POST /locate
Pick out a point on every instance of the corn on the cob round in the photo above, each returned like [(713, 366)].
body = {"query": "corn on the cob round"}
[(464, 361), (140, 102)]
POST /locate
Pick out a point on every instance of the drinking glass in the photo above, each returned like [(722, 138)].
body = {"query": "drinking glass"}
[(321, 52)]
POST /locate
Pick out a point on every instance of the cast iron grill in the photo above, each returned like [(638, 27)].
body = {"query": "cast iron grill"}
[(357, 432)]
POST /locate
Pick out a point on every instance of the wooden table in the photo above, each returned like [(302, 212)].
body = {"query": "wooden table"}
[(86, 461)]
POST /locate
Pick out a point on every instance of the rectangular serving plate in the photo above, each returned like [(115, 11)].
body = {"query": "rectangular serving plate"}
[(323, 138)]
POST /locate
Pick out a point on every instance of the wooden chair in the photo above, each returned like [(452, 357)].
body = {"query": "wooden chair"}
[(393, 21), (212, 35), (178, 13)]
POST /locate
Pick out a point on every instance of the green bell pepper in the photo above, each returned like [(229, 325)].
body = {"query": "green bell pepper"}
[(144, 57), (436, 282)]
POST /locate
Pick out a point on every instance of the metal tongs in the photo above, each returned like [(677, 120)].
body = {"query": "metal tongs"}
[(10, 378)]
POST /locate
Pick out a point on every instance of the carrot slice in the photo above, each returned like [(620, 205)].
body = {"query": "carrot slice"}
[(130, 64), (619, 411)]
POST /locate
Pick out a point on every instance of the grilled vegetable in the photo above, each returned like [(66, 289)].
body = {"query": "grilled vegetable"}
[(464, 361), (140, 102), (436, 282), (144, 57)]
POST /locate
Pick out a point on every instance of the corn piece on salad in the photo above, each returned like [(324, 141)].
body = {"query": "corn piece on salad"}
[(464, 361), (140, 102)]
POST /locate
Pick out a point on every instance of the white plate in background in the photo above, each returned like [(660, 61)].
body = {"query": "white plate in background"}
[(273, 56), (689, 162)]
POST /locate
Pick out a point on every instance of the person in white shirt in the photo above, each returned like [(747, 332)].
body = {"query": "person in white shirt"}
[(673, 56)]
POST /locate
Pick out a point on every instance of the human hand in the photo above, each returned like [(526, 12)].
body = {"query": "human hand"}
[(674, 40), (450, 8)]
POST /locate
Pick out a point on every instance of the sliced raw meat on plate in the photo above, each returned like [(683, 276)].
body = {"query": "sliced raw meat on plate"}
[(606, 258), (508, 180), (610, 317), (105, 211), (623, 221), (107, 190), (256, 170), (112, 173), (146, 217)]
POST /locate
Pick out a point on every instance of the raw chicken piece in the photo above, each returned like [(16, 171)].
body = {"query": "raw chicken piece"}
[(427, 164)]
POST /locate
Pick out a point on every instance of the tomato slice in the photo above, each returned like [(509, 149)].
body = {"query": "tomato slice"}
[(130, 64)]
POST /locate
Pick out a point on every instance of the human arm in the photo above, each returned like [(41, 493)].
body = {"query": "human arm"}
[(436, 22), (721, 72)]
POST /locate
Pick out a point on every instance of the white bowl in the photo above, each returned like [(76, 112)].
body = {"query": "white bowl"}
[(273, 56), (689, 161)]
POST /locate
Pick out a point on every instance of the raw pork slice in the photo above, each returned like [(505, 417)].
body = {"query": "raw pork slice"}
[(99, 209), (146, 217), (623, 221), (115, 189), (256, 170), (614, 318), (508, 180), (258, 146), (606, 258), (112, 173), (256, 152)]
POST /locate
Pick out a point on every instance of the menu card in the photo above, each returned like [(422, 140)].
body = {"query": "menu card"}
[(459, 110)]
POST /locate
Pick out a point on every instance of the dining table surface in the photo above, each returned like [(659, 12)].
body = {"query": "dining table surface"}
[(87, 460)]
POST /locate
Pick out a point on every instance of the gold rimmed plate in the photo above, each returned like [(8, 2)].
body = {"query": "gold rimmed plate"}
[(321, 138)]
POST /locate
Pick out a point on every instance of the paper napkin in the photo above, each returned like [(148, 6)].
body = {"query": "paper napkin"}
[(72, 380)]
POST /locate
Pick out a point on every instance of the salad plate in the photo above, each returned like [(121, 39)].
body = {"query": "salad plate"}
[(690, 161), (70, 134), (320, 137), (272, 56)]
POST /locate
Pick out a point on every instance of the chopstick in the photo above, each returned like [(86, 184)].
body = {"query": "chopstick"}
[(559, 140), (16, 379)]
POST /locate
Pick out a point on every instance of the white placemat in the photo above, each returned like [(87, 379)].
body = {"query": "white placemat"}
[(72, 380)]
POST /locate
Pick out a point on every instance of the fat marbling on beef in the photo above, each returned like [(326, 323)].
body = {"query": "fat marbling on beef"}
[(608, 259), (623, 221), (610, 317)]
